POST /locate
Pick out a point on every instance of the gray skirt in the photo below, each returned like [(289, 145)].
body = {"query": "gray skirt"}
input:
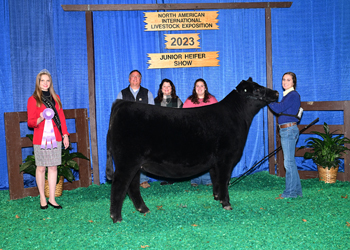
[(48, 157)]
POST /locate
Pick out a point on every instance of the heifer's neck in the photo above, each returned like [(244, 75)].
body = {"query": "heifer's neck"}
[(242, 107)]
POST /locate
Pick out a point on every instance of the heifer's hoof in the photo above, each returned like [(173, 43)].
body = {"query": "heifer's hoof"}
[(115, 219), (227, 207), (143, 210), (216, 197)]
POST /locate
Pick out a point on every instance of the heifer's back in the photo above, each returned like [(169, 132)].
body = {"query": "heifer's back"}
[(179, 143)]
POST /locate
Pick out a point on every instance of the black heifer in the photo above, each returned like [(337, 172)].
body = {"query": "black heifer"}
[(179, 143)]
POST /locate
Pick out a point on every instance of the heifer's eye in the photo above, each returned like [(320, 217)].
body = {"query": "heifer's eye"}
[(245, 90)]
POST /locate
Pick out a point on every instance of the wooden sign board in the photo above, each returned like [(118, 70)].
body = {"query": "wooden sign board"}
[(190, 20), (183, 60), (182, 41)]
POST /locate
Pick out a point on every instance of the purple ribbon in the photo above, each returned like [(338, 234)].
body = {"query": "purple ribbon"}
[(49, 134)]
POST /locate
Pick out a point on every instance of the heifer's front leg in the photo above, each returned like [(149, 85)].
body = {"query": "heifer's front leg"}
[(135, 194), (223, 178), (225, 201)]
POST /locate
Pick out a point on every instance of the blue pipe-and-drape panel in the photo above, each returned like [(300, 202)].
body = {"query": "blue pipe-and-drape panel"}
[(6, 102), (37, 35), (121, 45), (310, 39)]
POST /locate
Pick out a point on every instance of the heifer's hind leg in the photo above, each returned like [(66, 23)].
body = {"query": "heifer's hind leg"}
[(214, 180), (135, 194), (118, 192), (109, 164), (122, 178)]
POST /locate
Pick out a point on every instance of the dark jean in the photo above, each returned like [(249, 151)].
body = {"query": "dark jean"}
[(289, 138)]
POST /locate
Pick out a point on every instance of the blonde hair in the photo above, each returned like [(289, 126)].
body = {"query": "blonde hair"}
[(38, 92)]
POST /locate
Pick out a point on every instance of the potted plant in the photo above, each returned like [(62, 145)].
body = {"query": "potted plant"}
[(63, 170), (326, 152)]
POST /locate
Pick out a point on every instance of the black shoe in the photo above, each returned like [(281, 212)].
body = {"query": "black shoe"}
[(44, 207), (57, 207)]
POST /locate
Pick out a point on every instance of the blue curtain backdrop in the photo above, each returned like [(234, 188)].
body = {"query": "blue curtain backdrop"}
[(311, 39), (6, 102)]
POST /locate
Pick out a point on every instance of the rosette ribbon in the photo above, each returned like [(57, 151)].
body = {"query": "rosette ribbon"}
[(49, 137)]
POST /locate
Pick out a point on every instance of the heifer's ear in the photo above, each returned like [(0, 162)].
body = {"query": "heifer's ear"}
[(250, 79), (244, 87)]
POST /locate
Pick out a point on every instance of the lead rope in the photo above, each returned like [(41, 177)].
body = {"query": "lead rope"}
[(256, 165)]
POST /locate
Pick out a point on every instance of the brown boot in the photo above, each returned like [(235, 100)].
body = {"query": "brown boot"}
[(145, 184)]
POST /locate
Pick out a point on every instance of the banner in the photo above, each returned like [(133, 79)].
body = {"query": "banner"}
[(182, 41), (183, 60), (191, 20)]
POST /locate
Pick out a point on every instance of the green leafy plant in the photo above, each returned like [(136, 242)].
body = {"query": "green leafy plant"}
[(64, 169), (326, 152)]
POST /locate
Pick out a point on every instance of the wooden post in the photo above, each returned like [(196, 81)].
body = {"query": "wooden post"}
[(346, 134), (269, 84), (92, 95), (180, 6), (14, 148)]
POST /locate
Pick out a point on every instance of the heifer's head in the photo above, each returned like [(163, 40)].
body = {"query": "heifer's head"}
[(252, 90)]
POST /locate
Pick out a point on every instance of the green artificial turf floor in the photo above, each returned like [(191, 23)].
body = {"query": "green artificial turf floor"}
[(184, 217)]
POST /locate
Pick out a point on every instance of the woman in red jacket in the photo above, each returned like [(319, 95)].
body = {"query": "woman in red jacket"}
[(47, 151)]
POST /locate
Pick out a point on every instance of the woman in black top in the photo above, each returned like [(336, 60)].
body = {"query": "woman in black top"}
[(167, 98), (167, 95)]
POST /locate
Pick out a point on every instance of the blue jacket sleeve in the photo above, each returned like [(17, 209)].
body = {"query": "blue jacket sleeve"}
[(286, 105)]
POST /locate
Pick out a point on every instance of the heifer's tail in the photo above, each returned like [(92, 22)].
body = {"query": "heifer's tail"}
[(109, 164)]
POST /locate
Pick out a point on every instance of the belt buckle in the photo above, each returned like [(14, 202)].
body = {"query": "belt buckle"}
[(286, 125)]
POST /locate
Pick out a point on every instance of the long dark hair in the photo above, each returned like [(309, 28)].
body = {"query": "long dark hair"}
[(294, 77), (194, 96), (160, 93)]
